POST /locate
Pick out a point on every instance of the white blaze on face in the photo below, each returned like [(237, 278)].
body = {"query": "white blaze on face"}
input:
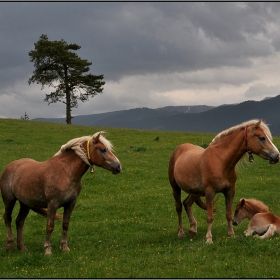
[(272, 143)]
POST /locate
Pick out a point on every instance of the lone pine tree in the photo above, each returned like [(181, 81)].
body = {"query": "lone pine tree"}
[(58, 66)]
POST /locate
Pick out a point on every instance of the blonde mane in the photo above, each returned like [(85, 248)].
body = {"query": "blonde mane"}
[(241, 126), (255, 205), (76, 145)]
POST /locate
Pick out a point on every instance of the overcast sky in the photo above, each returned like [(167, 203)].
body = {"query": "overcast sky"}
[(151, 54)]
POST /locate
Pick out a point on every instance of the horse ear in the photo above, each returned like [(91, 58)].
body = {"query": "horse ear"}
[(96, 139), (257, 125), (242, 200)]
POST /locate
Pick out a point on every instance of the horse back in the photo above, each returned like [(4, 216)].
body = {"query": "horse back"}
[(265, 217), (25, 179)]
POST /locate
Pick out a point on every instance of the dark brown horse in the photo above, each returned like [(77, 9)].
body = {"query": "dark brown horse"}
[(52, 184), (205, 172)]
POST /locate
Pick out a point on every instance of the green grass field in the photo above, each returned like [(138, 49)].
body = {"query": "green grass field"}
[(125, 226)]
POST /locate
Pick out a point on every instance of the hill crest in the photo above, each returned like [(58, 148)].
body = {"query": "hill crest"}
[(200, 118)]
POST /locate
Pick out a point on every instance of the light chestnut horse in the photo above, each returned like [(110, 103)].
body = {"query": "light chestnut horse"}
[(205, 172), (247, 208), (52, 184), (262, 224)]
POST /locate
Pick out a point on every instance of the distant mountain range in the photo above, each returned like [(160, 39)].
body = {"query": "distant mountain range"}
[(200, 118)]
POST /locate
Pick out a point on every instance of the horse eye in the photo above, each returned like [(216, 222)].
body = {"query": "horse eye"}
[(102, 150), (262, 138)]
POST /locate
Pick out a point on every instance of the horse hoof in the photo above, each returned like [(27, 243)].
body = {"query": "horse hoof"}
[(23, 249), (48, 251), (181, 235), (64, 248), (192, 233), (209, 241), (9, 247)]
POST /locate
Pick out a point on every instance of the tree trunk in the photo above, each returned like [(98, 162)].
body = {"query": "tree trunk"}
[(68, 107), (68, 97)]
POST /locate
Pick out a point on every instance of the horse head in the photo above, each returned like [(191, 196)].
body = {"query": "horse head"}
[(100, 153), (259, 141), (240, 212)]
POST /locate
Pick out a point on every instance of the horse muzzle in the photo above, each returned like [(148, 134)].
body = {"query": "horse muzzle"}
[(273, 158), (116, 169)]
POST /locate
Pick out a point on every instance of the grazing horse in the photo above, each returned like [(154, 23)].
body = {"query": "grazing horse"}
[(205, 172), (263, 225), (52, 184), (247, 208)]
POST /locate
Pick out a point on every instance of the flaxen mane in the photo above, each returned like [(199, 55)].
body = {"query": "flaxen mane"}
[(241, 126), (255, 205), (75, 145)]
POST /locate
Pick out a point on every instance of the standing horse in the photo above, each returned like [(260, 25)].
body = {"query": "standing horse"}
[(205, 172), (247, 208), (52, 184)]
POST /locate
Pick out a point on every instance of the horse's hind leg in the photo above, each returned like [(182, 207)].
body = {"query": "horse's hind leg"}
[(269, 233), (68, 208), (188, 202), (178, 205), (23, 212), (229, 199), (9, 206)]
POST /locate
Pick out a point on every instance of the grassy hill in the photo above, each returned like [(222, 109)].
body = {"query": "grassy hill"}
[(125, 226), (187, 118)]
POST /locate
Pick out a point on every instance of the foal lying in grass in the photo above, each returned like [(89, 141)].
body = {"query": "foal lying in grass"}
[(263, 223), (247, 208)]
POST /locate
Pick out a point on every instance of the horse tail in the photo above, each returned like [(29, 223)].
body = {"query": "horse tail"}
[(43, 212), (202, 205)]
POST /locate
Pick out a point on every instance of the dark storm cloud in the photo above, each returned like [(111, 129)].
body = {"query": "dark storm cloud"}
[(127, 39), (136, 38)]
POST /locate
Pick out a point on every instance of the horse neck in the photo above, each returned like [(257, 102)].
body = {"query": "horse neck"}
[(251, 212), (254, 208), (232, 148), (73, 164)]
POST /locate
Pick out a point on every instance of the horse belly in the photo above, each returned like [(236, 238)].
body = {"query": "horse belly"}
[(190, 184), (191, 188), (32, 195)]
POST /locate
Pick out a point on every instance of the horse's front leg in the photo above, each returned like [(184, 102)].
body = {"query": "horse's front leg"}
[(229, 195), (68, 208), (209, 197), (49, 228)]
